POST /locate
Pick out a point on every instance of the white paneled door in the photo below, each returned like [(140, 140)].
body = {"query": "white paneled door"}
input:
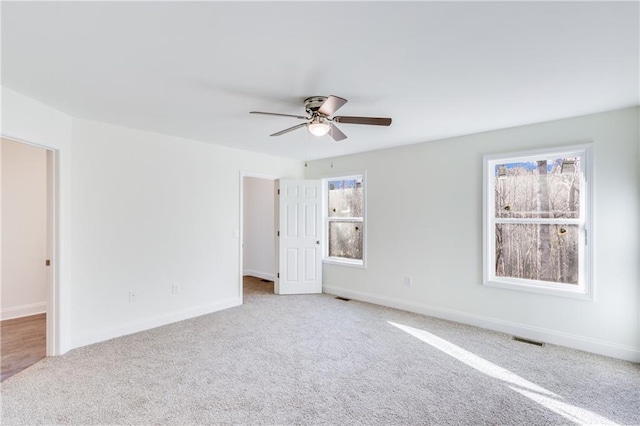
[(299, 239)]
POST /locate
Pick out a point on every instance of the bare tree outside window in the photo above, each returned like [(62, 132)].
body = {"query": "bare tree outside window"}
[(528, 194), (345, 218)]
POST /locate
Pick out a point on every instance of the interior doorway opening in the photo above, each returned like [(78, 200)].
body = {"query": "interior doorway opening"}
[(27, 200), (257, 228)]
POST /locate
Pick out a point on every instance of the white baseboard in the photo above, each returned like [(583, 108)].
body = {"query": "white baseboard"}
[(23, 311), (107, 333), (613, 350), (259, 274)]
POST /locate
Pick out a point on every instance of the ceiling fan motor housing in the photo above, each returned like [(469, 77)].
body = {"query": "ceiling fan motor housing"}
[(313, 104)]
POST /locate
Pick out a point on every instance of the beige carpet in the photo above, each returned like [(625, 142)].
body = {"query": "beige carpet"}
[(314, 359)]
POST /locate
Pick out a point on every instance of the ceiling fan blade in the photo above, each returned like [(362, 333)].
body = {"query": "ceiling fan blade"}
[(280, 115), (282, 132), (331, 105), (374, 121), (336, 133)]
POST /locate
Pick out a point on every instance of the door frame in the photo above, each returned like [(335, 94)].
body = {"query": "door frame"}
[(53, 246), (244, 174)]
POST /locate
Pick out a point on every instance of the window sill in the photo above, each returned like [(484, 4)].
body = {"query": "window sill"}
[(579, 293), (344, 262)]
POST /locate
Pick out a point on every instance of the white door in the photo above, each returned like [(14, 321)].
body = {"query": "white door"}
[(299, 237)]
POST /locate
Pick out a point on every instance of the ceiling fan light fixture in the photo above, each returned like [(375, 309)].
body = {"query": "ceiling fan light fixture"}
[(318, 127)]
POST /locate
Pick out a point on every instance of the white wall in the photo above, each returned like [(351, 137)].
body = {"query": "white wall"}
[(24, 229), (28, 120), (138, 212), (258, 230), (637, 131), (425, 221), (150, 211)]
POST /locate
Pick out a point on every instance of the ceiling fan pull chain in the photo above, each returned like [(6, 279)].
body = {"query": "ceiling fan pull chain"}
[(306, 141)]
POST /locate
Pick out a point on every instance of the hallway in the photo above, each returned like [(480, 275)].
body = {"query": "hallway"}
[(23, 342)]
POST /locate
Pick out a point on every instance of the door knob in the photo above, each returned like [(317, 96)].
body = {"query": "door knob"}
[(318, 242)]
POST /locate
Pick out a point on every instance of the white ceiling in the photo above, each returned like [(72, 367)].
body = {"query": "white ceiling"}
[(440, 69)]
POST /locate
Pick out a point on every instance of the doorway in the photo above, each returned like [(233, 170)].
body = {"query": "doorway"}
[(26, 200), (257, 228)]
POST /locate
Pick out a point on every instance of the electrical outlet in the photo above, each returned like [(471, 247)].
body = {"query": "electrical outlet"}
[(175, 289), (408, 281), (133, 296)]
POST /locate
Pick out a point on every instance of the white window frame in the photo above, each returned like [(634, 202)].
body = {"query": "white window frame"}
[(325, 208), (585, 288)]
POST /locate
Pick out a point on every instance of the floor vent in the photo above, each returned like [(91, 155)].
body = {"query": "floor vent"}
[(342, 298), (529, 341)]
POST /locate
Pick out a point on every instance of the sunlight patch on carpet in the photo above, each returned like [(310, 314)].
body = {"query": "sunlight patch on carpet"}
[(536, 393)]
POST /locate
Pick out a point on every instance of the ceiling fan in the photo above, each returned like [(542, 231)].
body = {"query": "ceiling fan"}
[(319, 120)]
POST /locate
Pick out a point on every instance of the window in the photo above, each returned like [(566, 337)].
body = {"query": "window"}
[(537, 219), (344, 227)]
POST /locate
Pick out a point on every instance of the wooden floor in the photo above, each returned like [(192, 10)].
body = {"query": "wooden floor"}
[(23, 342)]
